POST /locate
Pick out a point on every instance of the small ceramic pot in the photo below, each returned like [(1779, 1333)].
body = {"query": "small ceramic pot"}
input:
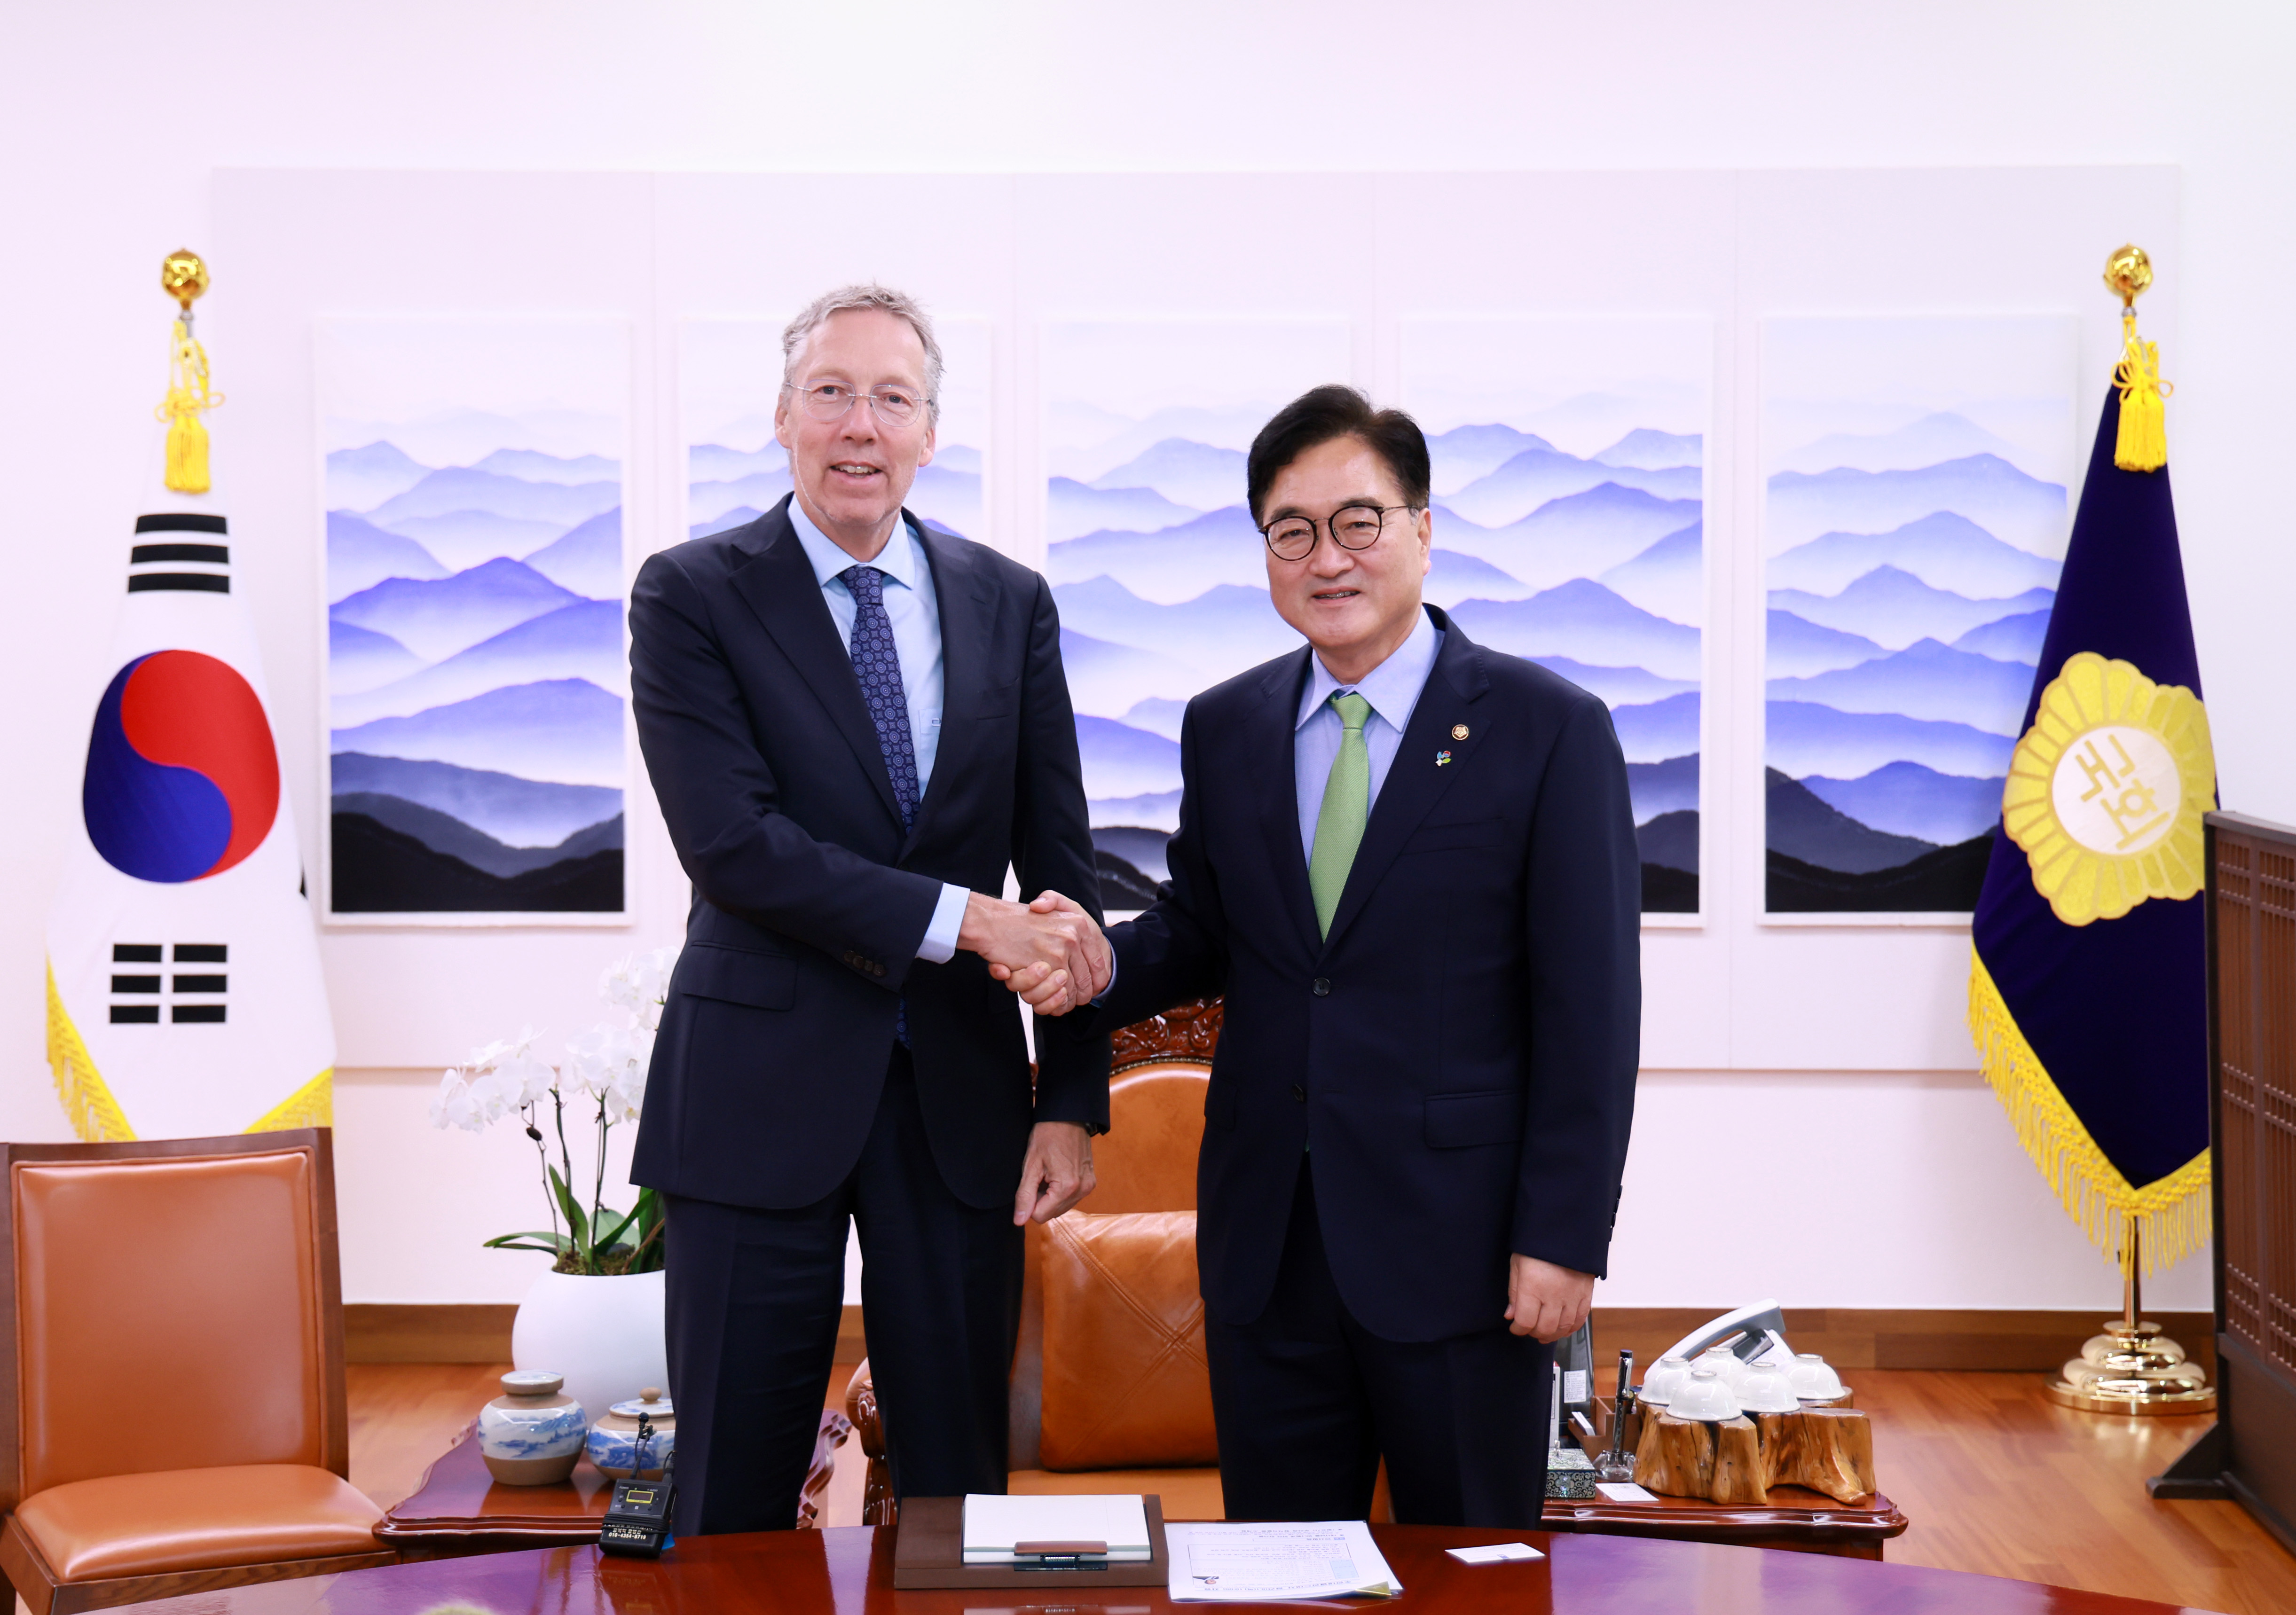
[(531, 1435), (613, 1444)]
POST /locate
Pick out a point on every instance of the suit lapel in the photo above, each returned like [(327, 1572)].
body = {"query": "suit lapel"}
[(1415, 782), (963, 598), (1274, 737), (777, 583)]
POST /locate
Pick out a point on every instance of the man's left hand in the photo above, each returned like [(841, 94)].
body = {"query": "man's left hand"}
[(1057, 1173), (1545, 1301)]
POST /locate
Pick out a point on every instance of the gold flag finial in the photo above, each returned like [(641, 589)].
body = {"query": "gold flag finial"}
[(2129, 271), (183, 277), (2143, 443)]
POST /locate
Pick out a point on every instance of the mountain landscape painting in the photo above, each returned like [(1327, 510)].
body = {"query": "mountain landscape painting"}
[(476, 679), (1154, 559), (1569, 459), (729, 378), (1915, 515)]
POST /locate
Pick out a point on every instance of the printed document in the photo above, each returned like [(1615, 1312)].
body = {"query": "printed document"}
[(1217, 1562)]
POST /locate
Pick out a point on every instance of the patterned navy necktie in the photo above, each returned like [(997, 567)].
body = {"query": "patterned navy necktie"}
[(877, 663)]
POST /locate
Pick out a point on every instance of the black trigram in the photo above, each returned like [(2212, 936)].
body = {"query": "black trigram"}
[(194, 998)]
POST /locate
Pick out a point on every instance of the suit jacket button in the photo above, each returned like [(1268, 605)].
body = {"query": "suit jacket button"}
[(1299, 1093), (1322, 988)]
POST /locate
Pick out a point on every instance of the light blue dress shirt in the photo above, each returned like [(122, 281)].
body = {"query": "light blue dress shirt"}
[(1392, 688), (914, 609)]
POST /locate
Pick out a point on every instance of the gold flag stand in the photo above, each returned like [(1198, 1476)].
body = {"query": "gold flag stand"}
[(2132, 1367)]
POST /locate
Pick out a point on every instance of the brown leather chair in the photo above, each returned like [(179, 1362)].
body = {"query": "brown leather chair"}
[(174, 1339), (1113, 1396)]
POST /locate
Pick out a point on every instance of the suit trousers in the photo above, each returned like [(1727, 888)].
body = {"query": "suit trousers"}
[(754, 1296), (1307, 1401)]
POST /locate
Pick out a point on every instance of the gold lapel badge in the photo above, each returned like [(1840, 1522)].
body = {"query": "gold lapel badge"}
[(1458, 731)]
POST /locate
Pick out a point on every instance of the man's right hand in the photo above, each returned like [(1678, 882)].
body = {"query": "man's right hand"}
[(1050, 951)]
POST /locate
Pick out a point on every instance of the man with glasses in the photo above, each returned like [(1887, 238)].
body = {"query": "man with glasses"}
[(1408, 863), (854, 724)]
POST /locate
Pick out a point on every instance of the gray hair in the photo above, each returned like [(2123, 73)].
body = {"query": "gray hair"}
[(871, 295)]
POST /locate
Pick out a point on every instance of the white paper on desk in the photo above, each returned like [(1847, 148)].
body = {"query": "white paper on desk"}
[(994, 1522), (1225, 1563), (1497, 1553)]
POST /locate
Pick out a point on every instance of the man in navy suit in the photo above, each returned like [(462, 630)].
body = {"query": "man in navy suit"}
[(854, 724), (1408, 863)]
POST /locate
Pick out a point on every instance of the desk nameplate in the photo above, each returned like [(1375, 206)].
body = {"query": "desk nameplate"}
[(929, 1552)]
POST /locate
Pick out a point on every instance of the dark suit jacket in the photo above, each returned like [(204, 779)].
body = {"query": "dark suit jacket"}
[(1462, 1051), (809, 902)]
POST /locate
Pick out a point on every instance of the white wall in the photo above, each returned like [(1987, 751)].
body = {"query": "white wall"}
[(115, 119)]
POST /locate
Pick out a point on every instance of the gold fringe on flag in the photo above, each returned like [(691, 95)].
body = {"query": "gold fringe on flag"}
[(312, 1105), (2143, 443), (96, 1115), (2172, 1212)]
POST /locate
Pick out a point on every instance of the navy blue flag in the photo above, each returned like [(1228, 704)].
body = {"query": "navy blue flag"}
[(2088, 990)]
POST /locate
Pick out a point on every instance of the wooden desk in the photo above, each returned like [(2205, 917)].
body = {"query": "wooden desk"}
[(459, 1509), (848, 1570)]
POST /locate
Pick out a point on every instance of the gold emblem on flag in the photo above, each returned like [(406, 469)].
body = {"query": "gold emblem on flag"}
[(2106, 789)]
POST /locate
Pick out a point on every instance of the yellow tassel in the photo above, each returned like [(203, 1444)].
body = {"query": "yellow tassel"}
[(2143, 443), (312, 1105), (187, 396), (187, 456), (95, 1114), (2172, 1212)]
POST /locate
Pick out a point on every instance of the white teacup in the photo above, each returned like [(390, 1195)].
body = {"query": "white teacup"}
[(1703, 1397), (1762, 1388), (1813, 1379), (1723, 1362), (1665, 1374)]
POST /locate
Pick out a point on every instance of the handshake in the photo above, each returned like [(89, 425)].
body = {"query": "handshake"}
[(1050, 951)]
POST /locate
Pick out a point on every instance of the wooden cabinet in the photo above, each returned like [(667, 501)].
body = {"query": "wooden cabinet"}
[(2251, 897)]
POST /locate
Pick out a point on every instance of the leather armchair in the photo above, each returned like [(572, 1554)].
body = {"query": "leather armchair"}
[(173, 1338), (1109, 1391)]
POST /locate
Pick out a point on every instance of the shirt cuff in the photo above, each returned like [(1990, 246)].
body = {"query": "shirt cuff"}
[(1113, 967), (940, 945)]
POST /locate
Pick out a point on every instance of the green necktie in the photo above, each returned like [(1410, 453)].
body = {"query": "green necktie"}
[(1347, 804)]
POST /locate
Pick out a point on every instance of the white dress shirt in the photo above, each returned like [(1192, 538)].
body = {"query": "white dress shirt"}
[(1392, 688), (914, 609)]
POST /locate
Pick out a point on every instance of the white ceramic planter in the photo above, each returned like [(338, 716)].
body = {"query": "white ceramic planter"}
[(604, 1334)]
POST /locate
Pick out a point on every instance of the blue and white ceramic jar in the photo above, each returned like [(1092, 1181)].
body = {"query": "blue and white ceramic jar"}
[(531, 1435), (614, 1439)]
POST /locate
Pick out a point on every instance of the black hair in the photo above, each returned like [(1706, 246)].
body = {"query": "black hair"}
[(1322, 413)]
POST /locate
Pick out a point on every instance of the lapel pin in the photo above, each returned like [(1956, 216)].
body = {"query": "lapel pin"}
[(1458, 731), (1442, 757)]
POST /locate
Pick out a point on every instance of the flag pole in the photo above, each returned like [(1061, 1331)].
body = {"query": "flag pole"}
[(2132, 1367)]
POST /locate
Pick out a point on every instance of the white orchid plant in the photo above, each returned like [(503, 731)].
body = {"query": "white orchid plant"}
[(605, 1065)]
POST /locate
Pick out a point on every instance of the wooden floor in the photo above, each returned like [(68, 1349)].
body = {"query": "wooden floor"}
[(1996, 1479)]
